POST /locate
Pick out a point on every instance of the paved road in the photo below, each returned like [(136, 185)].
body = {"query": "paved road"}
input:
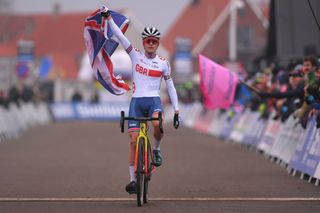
[(82, 167)]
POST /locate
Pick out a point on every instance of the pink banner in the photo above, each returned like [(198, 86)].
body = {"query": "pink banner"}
[(217, 83)]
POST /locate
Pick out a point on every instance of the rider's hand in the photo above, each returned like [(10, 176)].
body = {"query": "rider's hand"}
[(176, 120), (104, 11)]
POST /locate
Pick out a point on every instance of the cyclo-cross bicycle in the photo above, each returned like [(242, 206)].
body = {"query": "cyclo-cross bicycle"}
[(143, 165)]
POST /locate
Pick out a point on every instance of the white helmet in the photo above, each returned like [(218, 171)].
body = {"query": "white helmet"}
[(150, 32)]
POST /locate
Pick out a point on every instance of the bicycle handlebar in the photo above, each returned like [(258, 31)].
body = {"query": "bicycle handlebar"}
[(123, 118)]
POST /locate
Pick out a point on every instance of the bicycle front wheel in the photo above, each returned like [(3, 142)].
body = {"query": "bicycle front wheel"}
[(147, 177), (140, 172)]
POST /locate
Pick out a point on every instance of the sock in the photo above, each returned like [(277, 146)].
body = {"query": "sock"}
[(132, 174), (156, 144)]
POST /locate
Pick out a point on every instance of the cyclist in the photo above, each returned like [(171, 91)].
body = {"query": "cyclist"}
[(148, 69)]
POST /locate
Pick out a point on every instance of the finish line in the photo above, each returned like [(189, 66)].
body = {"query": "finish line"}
[(96, 199)]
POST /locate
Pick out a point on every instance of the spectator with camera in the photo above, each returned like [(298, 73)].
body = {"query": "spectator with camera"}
[(312, 98), (309, 67)]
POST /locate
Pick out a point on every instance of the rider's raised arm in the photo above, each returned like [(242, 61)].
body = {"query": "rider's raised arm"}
[(118, 33), (170, 87)]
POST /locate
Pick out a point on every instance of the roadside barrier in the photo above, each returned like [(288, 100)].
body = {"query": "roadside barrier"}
[(88, 111), (16, 120), (287, 144)]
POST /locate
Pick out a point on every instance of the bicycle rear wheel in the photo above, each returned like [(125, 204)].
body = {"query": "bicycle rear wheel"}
[(140, 172)]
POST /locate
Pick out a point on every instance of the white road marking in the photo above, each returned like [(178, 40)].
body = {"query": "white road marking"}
[(101, 199)]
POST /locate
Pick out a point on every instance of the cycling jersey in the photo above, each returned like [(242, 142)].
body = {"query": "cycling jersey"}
[(147, 72)]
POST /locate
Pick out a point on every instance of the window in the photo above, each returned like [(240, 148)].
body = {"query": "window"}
[(245, 38)]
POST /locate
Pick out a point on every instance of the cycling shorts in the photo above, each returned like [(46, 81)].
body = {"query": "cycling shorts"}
[(143, 107)]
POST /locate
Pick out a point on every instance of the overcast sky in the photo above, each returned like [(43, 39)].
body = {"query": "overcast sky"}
[(159, 13)]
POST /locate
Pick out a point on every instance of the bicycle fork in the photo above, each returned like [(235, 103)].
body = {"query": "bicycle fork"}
[(148, 167)]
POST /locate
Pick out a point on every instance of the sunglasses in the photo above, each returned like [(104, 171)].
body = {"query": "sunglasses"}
[(151, 41)]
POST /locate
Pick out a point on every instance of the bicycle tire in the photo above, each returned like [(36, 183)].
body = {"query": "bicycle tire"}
[(160, 122), (147, 178), (140, 172), (122, 121)]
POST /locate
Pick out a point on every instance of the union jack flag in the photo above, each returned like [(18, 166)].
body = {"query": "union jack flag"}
[(100, 46)]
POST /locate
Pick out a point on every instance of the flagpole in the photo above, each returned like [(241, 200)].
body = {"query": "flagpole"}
[(250, 87), (234, 6)]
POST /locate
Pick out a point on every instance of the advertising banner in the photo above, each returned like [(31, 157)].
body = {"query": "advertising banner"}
[(302, 160), (88, 111), (270, 135)]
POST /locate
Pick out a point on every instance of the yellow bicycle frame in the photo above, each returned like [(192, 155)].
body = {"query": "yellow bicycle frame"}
[(143, 133)]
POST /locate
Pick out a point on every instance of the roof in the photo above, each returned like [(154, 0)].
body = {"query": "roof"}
[(59, 36), (7, 50), (134, 34), (54, 35), (194, 21), (201, 20)]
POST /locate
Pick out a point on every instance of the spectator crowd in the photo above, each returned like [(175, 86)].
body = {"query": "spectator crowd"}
[(292, 90), (17, 95)]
